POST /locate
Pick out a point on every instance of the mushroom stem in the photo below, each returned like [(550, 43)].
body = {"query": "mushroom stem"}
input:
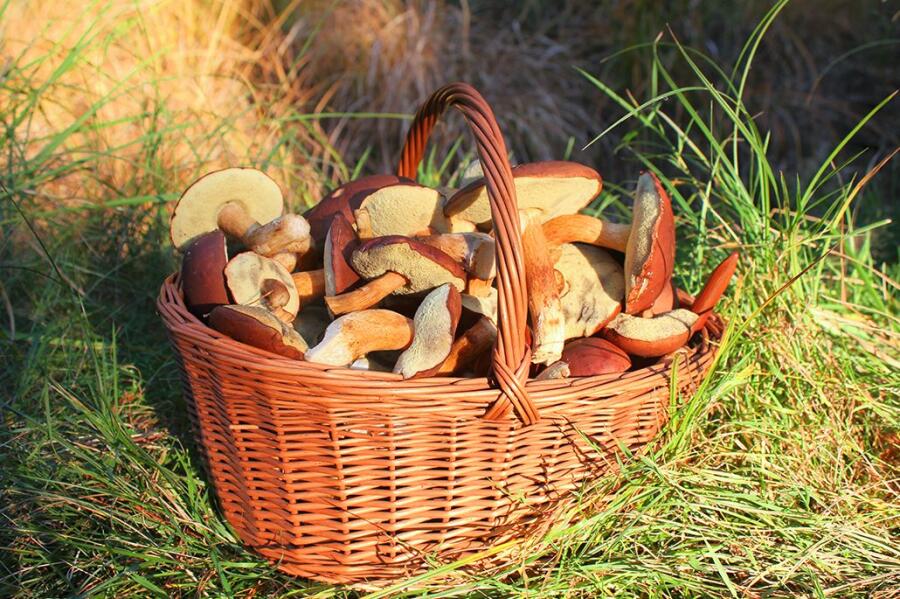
[(352, 336), (235, 222), (366, 296), (547, 319), (478, 339), (310, 285), (581, 228)]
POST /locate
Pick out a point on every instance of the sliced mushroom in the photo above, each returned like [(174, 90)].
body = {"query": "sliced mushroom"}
[(591, 356), (650, 337), (354, 335), (475, 251), (470, 346), (711, 293), (344, 200), (552, 187), (237, 200), (255, 280), (258, 327), (593, 288), (396, 264), (435, 326), (339, 244), (203, 273), (400, 209)]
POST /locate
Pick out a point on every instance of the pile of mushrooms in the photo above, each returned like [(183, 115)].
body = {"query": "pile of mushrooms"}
[(386, 274)]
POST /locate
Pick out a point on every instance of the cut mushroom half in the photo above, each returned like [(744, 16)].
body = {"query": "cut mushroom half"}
[(396, 264), (260, 328), (344, 200), (712, 292), (435, 324), (593, 288), (552, 187), (650, 337), (592, 356), (203, 273), (237, 201), (354, 335), (255, 280), (475, 251), (401, 209)]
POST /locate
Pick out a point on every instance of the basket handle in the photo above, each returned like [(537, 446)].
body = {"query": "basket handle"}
[(511, 357)]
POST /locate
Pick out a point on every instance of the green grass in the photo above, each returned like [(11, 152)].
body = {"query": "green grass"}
[(778, 478)]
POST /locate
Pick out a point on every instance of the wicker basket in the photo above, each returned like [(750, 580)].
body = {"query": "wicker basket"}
[(345, 475)]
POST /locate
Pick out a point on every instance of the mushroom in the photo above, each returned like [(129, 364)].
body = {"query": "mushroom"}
[(475, 251), (666, 302), (548, 322), (557, 370), (405, 208), (711, 293), (237, 200), (396, 264), (344, 200), (354, 335), (581, 228), (590, 356), (203, 273), (435, 325), (552, 187), (650, 337), (255, 280), (593, 288), (469, 346), (258, 327), (310, 285), (340, 242)]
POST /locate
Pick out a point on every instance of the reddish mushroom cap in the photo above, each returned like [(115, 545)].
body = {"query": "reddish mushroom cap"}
[(650, 337), (591, 356), (258, 327), (338, 248), (203, 273), (650, 253)]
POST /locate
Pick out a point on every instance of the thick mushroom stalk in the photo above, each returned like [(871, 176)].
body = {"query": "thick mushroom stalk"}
[(468, 347), (711, 293), (354, 335), (258, 327), (237, 201), (435, 324), (581, 228), (650, 337), (548, 322), (396, 264)]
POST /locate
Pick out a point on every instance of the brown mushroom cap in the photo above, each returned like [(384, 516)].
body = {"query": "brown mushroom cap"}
[(593, 289), (203, 273), (435, 325), (339, 244), (344, 200), (650, 253), (404, 208), (258, 327), (553, 187), (423, 266), (197, 211), (474, 250), (591, 356), (650, 337), (254, 280)]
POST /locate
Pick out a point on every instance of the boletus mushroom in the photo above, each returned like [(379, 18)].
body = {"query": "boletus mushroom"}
[(593, 288), (650, 337), (354, 335), (470, 346), (650, 252), (255, 280), (396, 264), (203, 273), (340, 241), (404, 208), (711, 293), (591, 356), (435, 324), (475, 251), (548, 322), (237, 201), (258, 327)]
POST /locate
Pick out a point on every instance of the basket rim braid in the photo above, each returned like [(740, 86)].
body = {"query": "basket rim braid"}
[(345, 475)]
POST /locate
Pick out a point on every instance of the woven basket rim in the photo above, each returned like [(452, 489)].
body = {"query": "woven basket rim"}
[(399, 392)]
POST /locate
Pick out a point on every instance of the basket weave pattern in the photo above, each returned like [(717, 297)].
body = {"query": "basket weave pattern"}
[(345, 475)]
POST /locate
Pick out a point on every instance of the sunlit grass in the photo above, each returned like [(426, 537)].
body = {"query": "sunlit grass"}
[(779, 477)]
